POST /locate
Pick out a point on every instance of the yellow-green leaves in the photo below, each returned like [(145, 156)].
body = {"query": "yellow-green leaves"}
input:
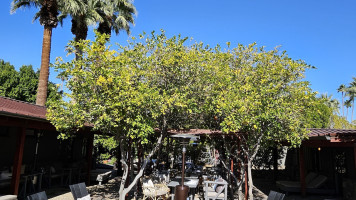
[(159, 82), (264, 95)]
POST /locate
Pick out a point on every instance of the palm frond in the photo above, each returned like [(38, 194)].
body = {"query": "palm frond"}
[(17, 4)]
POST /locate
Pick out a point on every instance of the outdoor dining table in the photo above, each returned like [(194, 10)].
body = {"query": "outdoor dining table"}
[(192, 183)]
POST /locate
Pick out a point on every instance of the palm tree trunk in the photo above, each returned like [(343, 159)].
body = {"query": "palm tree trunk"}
[(347, 112), (352, 113), (44, 73), (342, 95)]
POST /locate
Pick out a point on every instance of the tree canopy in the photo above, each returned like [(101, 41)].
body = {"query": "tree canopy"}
[(22, 84), (161, 82)]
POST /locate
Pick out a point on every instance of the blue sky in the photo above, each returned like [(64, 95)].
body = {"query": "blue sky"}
[(320, 32)]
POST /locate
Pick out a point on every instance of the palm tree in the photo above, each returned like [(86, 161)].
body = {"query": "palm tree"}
[(48, 17), (118, 17), (348, 105), (331, 103), (341, 89), (351, 92), (110, 14)]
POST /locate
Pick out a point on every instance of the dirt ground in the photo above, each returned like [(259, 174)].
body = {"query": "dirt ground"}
[(110, 191)]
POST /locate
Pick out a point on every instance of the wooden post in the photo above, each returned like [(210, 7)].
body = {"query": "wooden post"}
[(16, 172), (232, 165), (302, 171), (90, 146)]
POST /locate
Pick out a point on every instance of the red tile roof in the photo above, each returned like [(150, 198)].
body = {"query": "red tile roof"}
[(15, 107), (315, 132)]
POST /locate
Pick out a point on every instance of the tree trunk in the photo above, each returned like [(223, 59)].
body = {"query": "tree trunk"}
[(44, 72), (240, 183), (250, 183), (342, 104), (123, 191), (352, 113)]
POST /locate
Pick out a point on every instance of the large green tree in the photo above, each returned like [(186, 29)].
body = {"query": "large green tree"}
[(263, 100), (159, 82), (22, 84), (129, 92), (48, 18)]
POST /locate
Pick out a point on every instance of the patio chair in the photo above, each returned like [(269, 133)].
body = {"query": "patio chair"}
[(154, 191), (37, 196), (215, 189), (79, 191), (273, 195), (313, 185)]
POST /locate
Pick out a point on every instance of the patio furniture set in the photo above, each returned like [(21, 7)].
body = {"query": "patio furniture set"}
[(32, 182), (208, 183)]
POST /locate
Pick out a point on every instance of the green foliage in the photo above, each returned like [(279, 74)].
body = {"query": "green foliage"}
[(317, 114), (339, 122), (153, 82), (159, 82), (264, 96), (106, 92), (22, 85), (8, 80), (105, 147)]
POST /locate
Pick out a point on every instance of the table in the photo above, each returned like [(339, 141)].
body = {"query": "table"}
[(192, 183)]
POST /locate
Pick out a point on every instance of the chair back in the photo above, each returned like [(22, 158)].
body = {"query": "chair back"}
[(273, 195), (218, 191), (37, 196), (78, 190)]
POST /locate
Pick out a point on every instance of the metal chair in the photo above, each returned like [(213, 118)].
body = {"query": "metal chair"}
[(217, 191), (78, 190), (37, 196), (273, 195)]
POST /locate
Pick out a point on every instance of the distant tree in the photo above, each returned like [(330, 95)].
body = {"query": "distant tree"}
[(348, 105), (342, 89), (318, 114), (8, 80), (22, 85), (351, 93)]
